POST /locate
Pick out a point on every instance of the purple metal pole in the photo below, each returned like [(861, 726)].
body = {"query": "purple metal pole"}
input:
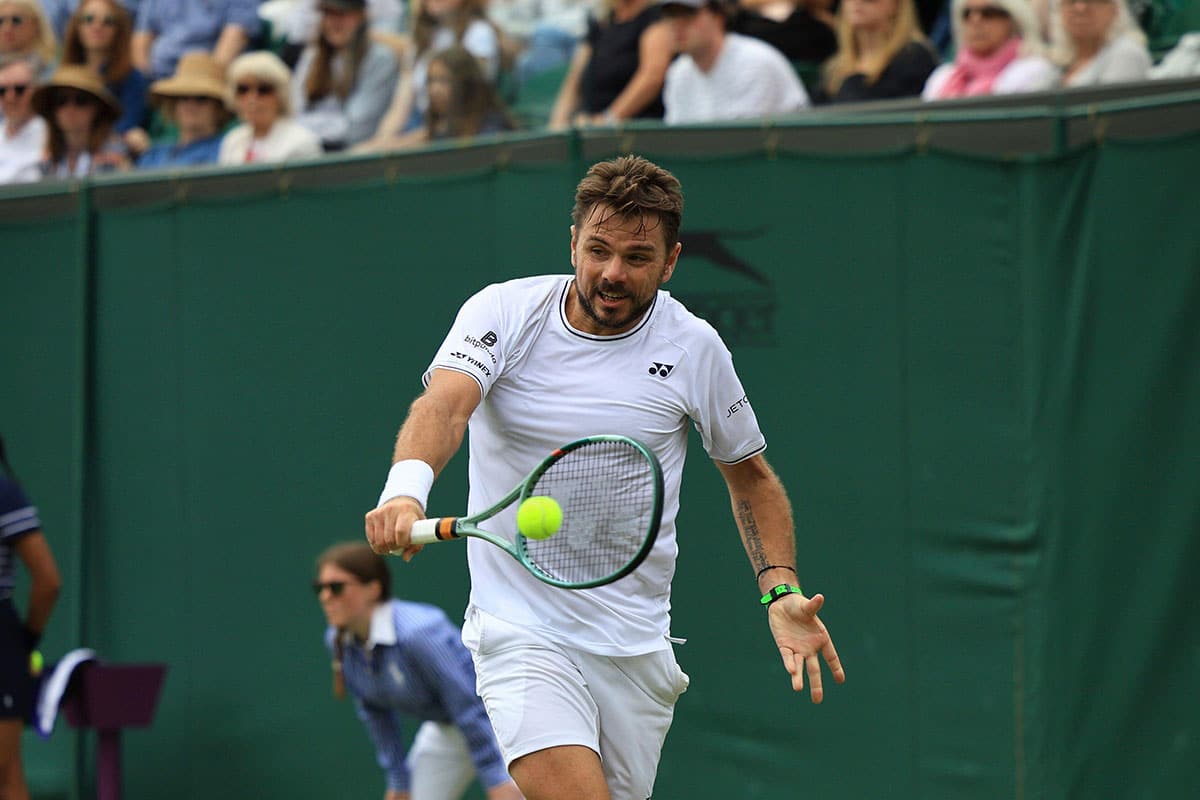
[(108, 764)]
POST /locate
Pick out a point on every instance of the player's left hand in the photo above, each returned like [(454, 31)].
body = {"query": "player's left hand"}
[(803, 641)]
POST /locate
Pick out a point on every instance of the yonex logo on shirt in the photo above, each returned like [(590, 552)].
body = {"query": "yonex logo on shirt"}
[(661, 370)]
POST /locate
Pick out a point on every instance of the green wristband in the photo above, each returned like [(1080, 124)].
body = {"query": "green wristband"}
[(777, 592)]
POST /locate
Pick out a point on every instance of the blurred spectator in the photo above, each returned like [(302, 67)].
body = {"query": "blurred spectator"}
[(98, 37), (21, 539), (549, 42), (438, 24), (166, 29), (58, 12), (193, 100), (260, 84), (720, 75), (881, 53), (462, 103), (998, 47), (344, 81), (618, 70), (23, 139), (1182, 61), (26, 33), (803, 30), (298, 27), (1098, 41), (81, 114), (540, 35)]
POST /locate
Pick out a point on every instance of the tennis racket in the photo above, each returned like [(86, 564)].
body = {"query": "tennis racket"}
[(610, 489)]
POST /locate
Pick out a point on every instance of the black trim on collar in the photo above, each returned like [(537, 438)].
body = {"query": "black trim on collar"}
[(592, 337)]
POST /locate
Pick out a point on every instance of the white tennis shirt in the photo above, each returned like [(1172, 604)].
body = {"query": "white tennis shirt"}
[(545, 384)]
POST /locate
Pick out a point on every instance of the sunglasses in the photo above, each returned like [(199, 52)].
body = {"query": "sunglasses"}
[(107, 20), (195, 98), (77, 99), (18, 89), (16, 20), (984, 12), (335, 587), (261, 89)]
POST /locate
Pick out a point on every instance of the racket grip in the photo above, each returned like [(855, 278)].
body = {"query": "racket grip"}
[(436, 529)]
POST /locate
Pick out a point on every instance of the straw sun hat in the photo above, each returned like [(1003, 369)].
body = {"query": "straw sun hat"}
[(197, 75), (76, 76)]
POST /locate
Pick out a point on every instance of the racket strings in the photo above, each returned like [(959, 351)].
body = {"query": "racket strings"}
[(607, 494)]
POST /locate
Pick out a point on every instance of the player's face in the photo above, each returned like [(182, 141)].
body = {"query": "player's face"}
[(344, 598), (620, 262)]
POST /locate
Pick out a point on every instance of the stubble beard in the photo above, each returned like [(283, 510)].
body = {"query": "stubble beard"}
[(608, 322)]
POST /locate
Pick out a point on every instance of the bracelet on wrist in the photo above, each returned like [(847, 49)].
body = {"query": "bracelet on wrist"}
[(776, 592), (759, 574)]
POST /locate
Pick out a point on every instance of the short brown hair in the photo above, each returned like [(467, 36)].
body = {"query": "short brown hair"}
[(362, 562), (631, 186)]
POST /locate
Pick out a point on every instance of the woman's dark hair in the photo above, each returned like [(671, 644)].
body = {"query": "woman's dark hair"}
[(363, 563), (473, 99), (120, 61), (320, 81), (102, 127)]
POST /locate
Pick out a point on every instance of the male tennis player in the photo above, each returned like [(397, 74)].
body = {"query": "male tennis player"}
[(581, 685)]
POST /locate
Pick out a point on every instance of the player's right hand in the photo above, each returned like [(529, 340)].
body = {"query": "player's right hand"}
[(390, 525)]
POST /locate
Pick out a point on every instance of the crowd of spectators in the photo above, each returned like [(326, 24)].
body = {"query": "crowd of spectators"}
[(91, 86)]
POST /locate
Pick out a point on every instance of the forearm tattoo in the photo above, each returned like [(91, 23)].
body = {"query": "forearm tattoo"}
[(749, 526)]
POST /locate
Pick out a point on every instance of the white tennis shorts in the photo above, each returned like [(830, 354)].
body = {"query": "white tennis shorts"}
[(541, 694)]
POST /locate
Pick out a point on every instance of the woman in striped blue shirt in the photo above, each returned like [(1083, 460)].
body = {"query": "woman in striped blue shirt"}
[(403, 659)]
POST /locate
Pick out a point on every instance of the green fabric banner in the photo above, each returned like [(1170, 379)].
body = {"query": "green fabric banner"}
[(978, 378)]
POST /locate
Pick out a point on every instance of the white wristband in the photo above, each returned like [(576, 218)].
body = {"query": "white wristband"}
[(411, 477)]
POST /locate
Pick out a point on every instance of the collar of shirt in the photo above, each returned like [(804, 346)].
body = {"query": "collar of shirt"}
[(383, 628)]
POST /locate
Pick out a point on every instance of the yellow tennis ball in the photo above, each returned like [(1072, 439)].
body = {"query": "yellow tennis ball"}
[(36, 663), (539, 517)]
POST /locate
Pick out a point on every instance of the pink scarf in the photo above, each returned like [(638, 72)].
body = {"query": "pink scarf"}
[(974, 74)]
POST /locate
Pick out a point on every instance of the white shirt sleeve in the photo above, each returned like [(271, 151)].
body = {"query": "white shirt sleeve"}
[(476, 342), (722, 412)]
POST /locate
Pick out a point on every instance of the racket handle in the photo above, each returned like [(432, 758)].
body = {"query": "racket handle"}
[(437, 529)]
